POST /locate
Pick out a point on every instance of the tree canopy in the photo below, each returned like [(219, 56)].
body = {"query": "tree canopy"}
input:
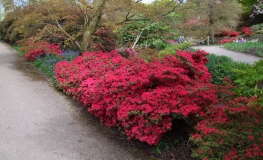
[(212, 16), (79, 21)]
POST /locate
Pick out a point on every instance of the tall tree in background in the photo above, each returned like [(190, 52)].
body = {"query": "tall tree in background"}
[(97, 13), (216, 14)]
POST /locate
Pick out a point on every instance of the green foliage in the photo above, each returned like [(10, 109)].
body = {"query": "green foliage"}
[(18, 49), (257, 27), (215, 59), (255, 48), (223, 66), (153, 34), (171, 48), (158, 44), (162, 145), (247, 5), (250, 80), (47, 63)]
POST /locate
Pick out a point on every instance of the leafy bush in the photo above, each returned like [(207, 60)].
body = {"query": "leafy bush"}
[(250, 80), (257, 27), (105, 39), (246, 30), (171, 49), (158, 44), (229, 33), (234, 34), (231, 130), (141, 98), (38, 49), (153, 35), (148, 54), (223, 66), (226, 40)]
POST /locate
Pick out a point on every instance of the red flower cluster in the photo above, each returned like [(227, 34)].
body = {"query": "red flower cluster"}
[(227, 40), (246, 30), (137, 96), (40, 48), (229, 33), (234, 34), (231, 130)]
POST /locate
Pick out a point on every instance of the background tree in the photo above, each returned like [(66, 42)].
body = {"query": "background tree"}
[(214, 15), (98, 13), (247, 6)]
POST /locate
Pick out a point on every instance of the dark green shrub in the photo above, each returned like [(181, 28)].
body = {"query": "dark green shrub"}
[(222, 66), (158, 44)]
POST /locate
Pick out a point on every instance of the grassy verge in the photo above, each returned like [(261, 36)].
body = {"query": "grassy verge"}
[(254, 48), (18, 49)]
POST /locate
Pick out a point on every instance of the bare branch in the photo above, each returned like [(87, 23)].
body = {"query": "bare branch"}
[(173, 9), (58, 24)]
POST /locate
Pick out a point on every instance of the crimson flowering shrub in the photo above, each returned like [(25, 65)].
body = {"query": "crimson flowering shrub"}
[(226, 40), (70, 75), (246, 30), (139, 97), (234, 34), (230, 130), (225, 33), (35, 49), (229, 33)]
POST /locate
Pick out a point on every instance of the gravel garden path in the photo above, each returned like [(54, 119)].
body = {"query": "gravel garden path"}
[(236, 56), (39, 123)]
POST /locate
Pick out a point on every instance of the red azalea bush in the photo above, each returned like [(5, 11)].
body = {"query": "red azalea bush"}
[(137, 96), (234, 34), (231, 130), (143, 98), (35, 49), (246, 30), (229, 33), (70, 75), (226, 40)]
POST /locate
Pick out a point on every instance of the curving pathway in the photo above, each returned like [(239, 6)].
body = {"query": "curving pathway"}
[(39, 123), (236, 56)]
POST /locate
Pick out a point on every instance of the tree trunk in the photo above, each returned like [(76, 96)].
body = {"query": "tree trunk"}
[(212, 34), (92, 26)]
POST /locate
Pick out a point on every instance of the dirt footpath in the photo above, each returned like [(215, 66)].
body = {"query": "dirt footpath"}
[(236, 56), (39, 123)]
